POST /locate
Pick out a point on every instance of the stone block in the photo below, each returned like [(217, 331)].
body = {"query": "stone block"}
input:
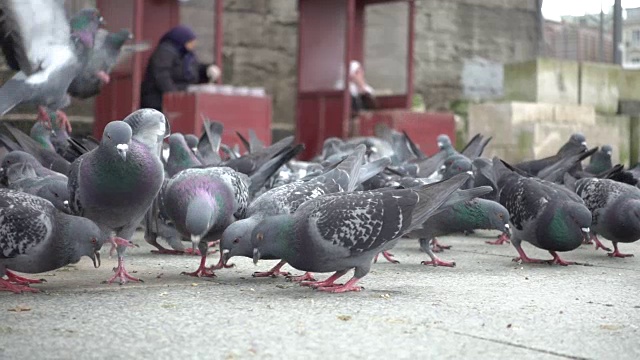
[(600, 86), (631, 85), (542, 80)]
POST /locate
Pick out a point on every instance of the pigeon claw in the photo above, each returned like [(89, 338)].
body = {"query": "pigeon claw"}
[(304, 277), (598, 243), (558, 261), (388, 256), (347, 287), (502, 239), (19, 280), (201, 272), (6, 285), (122, 274), (439, 262), (274, 272), (437, 247)]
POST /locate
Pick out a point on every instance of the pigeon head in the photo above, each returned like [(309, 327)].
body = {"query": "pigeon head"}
[(497, 216), (456, 165), (20, 171), (272, 236), (117, 137), (149, 127), (578, 139), (201, 215), (607, 149), (236, 239), (86, 237), (192, 142), (570, 222), (13, 158), (444, 141), (57, 192), (42, 135), (117, 39), (84, 25)]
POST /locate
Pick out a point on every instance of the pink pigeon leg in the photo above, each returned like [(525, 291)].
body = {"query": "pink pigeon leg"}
[(617, 253), (6, 285), (348, 286), (502, 239), (274, 272), (19, 280)]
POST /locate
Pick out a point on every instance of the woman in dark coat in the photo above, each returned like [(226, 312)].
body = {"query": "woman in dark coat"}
[(172, 67)]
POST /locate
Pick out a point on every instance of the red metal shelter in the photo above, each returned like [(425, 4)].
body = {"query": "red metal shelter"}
[(332, 33), (148, 20)]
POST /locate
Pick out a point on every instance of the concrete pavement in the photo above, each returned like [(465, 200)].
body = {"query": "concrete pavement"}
[(486, 307)]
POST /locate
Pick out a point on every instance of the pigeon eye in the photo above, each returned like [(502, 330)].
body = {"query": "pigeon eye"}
[(260, 236), (94, 240), (500, 216)]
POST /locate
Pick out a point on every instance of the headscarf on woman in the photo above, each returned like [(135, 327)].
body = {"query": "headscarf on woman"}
[(179, 36)]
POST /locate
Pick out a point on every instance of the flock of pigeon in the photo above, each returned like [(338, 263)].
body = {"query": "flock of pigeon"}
[(63, 197), (62, 200)]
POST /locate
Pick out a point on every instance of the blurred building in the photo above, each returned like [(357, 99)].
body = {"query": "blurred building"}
[(631, 36), (579, 39)]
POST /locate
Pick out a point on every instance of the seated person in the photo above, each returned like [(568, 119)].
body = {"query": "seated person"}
[(362, 97)]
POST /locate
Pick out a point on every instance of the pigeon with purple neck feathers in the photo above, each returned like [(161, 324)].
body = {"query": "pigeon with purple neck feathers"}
[(180, 155), (202, 203), (35, 238), (615, 208), (116, 183), (236, 239), (339, 232)]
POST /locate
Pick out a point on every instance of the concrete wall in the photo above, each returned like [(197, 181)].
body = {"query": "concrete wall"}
[(542, 80), (523, 131)]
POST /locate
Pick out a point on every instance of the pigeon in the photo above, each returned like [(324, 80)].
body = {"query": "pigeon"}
[(180, 155), (615, 208), (464, 216), (475, 147), (253, 144), (210, 141), (108, 50), (547, 215), (35, 237), (202, 203), (600, 161), (48, 158), (576, 144), (42, 135), (21, 157), (22, 177), (38, 43), (444, 143), (236, 239), (338, 232), (192, 142), (116, 183)]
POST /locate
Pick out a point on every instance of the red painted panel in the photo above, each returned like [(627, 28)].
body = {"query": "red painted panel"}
[(237, 113), (423, 128), (319, 118)]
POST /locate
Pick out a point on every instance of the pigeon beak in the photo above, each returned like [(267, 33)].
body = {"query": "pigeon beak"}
[(586, 230), (256, 256), (440, 144), (195, 150), (122, 151), (195, 240), (225, 256), (96, 259), (507, 230), (584, 143), (471, 173), (609, 153)]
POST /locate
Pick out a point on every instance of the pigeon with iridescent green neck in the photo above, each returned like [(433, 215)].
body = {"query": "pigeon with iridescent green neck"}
[(116, 183), (180, 155)]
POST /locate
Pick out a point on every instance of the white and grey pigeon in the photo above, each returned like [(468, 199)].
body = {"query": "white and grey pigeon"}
[(35, 237), (22, 177), (616, 211), (116, 183), (236, 239), (37, 42), (202, 203), (338, 232)]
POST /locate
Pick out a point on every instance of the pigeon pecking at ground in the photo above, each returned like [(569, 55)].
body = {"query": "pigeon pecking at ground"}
[(544, 214), (616, 211), (339, 232), (35, 237), (116, 183)]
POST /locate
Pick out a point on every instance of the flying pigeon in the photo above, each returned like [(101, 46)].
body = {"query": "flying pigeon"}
[(542, 213), (35, 237), (116, 183), (340, 232), (616, 211)]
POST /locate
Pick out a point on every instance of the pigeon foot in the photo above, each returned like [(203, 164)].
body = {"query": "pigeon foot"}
[(63, 121), (438, 262), (122, 274), (437, 247), (523, 258), (304, 277), (348, 286), (599, 244), (388, 256), (617, 253), (558, 261), (15, 288), (202, 270), (274, 272), (328, 282), (502, 239), (103, 76), (221, 264), (19, 280)]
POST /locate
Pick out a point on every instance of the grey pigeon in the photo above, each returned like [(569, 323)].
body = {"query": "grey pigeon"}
[(108, 50), (236, 239), (209, 143), (576, 144), (38, 43), (202, 203), (345, 231), (48, 158), (192, 142), (116, 183), (22, 177), (35, 237), (21, 157), (615, 208), (542, 213), (180, 155), (600, 161), (464, 216)]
